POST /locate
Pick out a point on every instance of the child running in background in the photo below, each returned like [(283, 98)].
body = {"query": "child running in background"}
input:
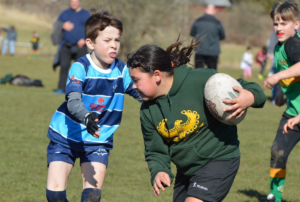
[(285, 17), (246, 63), (261, 59), (35, 44), (204, 150), (94, 102)]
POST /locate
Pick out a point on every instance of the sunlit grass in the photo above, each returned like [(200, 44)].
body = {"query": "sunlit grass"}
[(26, 113)]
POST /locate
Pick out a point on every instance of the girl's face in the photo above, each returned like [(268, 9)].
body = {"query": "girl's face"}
[(145, 83)]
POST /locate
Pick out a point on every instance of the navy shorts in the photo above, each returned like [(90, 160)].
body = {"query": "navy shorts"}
[(56, 152), (210, 183)]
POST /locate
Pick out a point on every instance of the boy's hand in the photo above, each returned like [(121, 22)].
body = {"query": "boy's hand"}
[(279, 101), (160, 178), (90, 120), (241, 103), (271, 81), (291, 123)]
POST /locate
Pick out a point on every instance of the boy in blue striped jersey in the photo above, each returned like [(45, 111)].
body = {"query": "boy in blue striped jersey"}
[(83, 126)]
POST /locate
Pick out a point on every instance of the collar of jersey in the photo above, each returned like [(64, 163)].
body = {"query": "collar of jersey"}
[(96, 67)]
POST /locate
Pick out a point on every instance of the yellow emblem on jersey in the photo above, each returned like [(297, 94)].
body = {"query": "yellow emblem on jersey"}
[(283, 62), (180, 131)]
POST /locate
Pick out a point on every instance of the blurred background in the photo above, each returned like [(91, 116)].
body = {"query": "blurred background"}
[(246, 22)]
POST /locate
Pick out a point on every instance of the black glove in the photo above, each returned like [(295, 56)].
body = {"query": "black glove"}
[(89, 120)]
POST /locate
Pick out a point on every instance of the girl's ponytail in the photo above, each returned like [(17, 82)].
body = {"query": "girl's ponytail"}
[(149, 58), (181, 56)]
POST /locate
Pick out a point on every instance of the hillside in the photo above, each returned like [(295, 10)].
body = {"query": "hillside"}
[(163, 33)]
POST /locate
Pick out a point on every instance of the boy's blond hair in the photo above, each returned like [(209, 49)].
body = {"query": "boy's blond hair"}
[(287, 11)]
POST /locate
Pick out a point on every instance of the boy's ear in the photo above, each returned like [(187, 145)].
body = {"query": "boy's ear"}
[(89, 44), (157, 75)]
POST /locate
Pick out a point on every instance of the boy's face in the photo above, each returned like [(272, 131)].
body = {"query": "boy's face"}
[(106, 46), (284, 29)]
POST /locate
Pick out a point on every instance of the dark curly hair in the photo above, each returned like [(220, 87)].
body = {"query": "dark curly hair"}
[(149, 58)]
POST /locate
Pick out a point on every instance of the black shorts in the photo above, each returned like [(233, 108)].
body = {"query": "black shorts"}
[(284, 143), (210, 183)]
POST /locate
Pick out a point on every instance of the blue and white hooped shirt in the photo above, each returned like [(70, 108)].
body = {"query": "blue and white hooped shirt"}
[(103, 93)]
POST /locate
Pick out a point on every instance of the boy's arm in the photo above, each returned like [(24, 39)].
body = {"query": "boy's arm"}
[(292, 50), (74, 87), (156, 151), (291, 72), (75, 106)]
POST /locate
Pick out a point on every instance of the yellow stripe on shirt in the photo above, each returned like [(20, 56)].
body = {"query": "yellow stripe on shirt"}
[(287, 82)]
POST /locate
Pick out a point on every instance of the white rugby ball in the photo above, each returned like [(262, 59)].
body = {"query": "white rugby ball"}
[(217, 88)]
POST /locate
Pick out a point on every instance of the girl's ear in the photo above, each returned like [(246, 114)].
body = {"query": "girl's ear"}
[(89, 44), (157, 75)]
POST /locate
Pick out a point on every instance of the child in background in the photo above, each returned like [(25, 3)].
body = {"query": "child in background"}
[(261, 59), (247, 62), (285, 16), (178, 127), (1, 38), (35, 44), (94, 102)]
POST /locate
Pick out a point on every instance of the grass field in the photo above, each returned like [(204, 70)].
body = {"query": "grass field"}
[(25, 116)]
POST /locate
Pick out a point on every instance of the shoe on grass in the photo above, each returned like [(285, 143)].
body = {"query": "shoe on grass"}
[(58, 91), (271, 198), (261, 77)]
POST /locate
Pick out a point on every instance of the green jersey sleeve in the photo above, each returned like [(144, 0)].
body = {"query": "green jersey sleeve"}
[(156, 150), (259, 95)]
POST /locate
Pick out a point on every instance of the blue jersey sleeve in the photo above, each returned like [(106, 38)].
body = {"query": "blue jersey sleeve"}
[(76, 78), (128, 85)]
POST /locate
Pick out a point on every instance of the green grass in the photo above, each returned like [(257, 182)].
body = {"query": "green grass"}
[(26, 113)]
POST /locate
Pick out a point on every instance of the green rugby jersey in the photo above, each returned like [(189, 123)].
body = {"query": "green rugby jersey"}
[(287, 54), (179, 128)]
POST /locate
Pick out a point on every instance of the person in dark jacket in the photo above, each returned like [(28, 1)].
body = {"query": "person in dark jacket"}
[(178, 127), (211, 31), (72, 45)]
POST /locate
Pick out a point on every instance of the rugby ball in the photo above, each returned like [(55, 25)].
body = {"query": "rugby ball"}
[(217, 88)]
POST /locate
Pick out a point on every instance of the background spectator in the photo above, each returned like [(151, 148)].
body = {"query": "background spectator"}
[(1, 38), (35, 44), (211, 30), (72, 45), (11, 38), (261, 60), (246, 63)]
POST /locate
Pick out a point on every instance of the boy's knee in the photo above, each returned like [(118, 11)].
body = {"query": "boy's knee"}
[(56, 196), (91, 195), (278, 157)]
